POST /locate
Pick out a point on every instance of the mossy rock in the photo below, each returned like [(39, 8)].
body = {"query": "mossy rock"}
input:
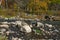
[(3, 37)]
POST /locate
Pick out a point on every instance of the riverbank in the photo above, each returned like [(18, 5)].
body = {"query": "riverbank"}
[(35, 17)]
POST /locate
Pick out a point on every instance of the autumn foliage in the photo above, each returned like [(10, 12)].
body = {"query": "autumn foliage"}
[(32, 6)]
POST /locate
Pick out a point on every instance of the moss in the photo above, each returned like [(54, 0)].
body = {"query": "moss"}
[(38, 31), (3, 37)]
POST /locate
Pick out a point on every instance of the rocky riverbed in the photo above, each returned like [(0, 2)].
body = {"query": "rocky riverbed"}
[(14, 33)]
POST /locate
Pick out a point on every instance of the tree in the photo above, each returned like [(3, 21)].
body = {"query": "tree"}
[(54, 5), (55, 1), (35, 6)]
